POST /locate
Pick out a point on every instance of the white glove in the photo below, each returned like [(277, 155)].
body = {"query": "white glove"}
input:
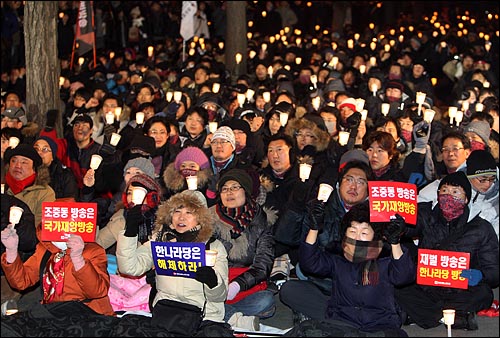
[(234, 288)]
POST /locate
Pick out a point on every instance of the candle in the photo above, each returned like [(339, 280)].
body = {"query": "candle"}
[(270, 71), (151, 50), (452, 112), (283, 118), (238, 57), (360, 103), (177, 96), (362, 69), (364, 114), (241, 99), (169, 96), (316, 101), (252, 54), (215, 87), (139, 117), (264, 47), (266, 96), (479, 106), (385, 108), (81, 61), (314, 80), (373, 61), (374, 88), (459, 117)]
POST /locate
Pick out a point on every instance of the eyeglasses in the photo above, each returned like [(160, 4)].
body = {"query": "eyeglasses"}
[(450, 150), (352, 180), (220, 142), (157, 132), (233, 188), (43, 150), (304, 135), (486, 179)]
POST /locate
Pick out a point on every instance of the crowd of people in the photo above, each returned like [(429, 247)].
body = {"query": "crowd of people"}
[(221, 154)]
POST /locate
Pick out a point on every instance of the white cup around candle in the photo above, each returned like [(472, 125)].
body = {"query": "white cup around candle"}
[(118, 112), (215, 87), (95, 161), (479, 107), (364, 114), (115, 138), (139, 117), (110, 118), (283, 119), (343, 137), (324, 192), (177, 96), (212, 126), (429, 115), (385, 108), (452, 112), (138, 195), (13, 142), (192, 182), (420, 98), (266, 96), (15, 214), (241, 98), (3, 188), (459, 117), (465, 105), (360, 104), (449, 316), (374, 88), (304, 171), (169, 96), (210, 257), (362, 69)]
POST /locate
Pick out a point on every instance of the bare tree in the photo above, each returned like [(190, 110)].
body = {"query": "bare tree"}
[(236, 38), (42, 64)]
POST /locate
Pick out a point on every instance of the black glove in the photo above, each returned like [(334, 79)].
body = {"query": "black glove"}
[(133, 219), (354, 120), (316, 211), (51, 118), (206, 274), (108, 130), (395, 229)]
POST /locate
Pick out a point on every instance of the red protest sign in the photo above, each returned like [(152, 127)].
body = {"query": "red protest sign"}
[(388, 198), (62, 218), (442, 268)]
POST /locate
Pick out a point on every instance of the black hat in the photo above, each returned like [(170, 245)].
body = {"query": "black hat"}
[(84, 118), (395, 84), (481, 162), (237, 124), (238, 175), (458, 179), (25, 150), (16, 113)]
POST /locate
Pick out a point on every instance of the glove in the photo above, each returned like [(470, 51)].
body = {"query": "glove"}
[(234, 288), (76, 244), (206, 275), (316, 211), (421, 134), (108, 130), (395, 229), (51, 118), (354, 120), (10, 240), (134, 218), (473, 275)]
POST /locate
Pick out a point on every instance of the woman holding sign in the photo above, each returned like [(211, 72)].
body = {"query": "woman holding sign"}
[(445, 226), (183, 218)]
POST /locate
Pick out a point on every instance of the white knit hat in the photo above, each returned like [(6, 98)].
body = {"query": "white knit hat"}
[(225, 133)]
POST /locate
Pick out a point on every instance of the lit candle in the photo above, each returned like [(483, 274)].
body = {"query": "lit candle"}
[(111, 55), (429, 115), (61, 81), (283, 118), (434, 80), (270, 71), (241, 99), (465, 105), (298, 60), (316, 101), (362, 69), (118, 112), (314, 80), (334, 62), (459, 117), (360, 103), (266, 96), (452, 112), (169, 96), (215, 87), (151, 50), (374, 88), (350, 43), (139, 117), (264, 47), (81, 61), (252, 54), (385, 108), (373, 61), (177, 96), (249, 94), (479, 106), (221, 45), (364, 114), (238, 57)]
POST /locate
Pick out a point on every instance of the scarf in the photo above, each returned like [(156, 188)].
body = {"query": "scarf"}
[(18, 185), (238, 218), (365, 252), (475, 145), (53, 277), (379, 172)]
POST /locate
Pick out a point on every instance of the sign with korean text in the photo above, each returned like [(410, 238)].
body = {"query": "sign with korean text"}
[(180, 259), (388, 198), (442, 268), (59, 219)]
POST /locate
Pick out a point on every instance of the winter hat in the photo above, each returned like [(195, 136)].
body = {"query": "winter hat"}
[(52, 144), (336, 85), (195, 196), (16, 113), (142, 145), (353, 155), (142, 163), (238, 175), (194, 154), (152, 198), (349, 102), (458, 179), (225, 133), (25, 150), (481, 128), (481, 162), (395, 84), (85, 119), (237, 124)]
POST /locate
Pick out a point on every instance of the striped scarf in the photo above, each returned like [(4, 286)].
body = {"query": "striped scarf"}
[(365, 252), (238, 218)]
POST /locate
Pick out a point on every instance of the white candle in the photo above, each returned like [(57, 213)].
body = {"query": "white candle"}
[(283, 118), (459, 117), (177, 96), (139, 117), (169, 96), (385, 108), (343, 137), (215, 87), (266, 96), (241, 99)]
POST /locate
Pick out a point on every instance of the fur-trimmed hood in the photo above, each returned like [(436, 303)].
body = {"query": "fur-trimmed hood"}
[(166, 209), (176, 182), (30, 130), (322, 137), (494, 148)]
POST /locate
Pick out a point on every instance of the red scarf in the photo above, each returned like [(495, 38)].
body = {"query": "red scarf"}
[(53, 277), (18, 185)]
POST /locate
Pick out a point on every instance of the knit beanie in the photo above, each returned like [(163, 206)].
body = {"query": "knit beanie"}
[(194, 154), (142, 163), (353, 155), (25, 150), (225, 133), (481, 162), (458, 179), (238, 175), (52, 144), (481, 128), (349, 102)]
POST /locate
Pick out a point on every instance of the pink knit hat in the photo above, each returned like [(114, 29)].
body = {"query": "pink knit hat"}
[(194, 154)]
